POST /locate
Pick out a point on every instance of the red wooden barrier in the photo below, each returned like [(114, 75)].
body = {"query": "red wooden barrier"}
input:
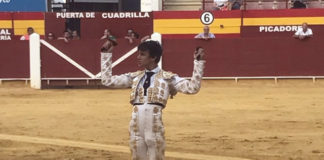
[(14, 59), (248, 57)]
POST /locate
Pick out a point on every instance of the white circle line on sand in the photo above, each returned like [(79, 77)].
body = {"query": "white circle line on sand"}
[(112, 148)]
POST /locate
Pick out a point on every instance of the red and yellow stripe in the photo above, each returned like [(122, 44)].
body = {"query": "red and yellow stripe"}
[(5, 23), (22, 21), (283, 13), (188, 23), (282, 21), (283, 17), (20, 26), (194, 26), (5, 20)]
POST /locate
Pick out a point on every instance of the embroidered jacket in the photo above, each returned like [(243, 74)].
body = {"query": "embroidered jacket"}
[(164, 84)]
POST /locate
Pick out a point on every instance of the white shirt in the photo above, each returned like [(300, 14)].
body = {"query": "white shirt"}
[(24, 37), (156, 70), (220, 3), (202, 35), (300, 32)]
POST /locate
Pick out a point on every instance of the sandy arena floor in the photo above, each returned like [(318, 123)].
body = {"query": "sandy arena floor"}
[(257, 120)]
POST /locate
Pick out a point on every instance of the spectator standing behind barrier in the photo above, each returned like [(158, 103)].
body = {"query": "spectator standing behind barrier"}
[(110, 42), (298, 4), (109, 45), (303, 32), (221, 5), (234, 4), (75, 35), (50, 36), (66, 37), (107, 34), (30, 30), (205, 35), (131, 36)]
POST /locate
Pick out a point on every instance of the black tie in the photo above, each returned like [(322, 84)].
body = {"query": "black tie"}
[(147, 81)]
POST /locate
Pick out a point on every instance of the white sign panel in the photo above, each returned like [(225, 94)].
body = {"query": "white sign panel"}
[(207, 18), (151, 5)]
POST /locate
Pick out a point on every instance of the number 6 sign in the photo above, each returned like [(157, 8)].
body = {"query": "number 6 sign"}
[(207, 18)]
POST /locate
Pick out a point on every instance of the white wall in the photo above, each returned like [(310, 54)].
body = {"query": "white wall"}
[(151, 5)]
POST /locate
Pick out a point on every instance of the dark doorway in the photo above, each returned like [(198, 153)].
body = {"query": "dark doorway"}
[(130, 5)]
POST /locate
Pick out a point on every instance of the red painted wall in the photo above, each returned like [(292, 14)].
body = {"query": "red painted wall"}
[(253, 31), (14, 59), (289, 15), (93, 28), (225, 57), (248, 57), (54, 25)]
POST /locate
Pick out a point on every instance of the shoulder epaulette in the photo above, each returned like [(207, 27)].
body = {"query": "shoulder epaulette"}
[(137, 73), (167, 75)]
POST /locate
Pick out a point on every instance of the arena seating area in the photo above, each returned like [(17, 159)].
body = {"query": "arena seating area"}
[(173, 5)]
